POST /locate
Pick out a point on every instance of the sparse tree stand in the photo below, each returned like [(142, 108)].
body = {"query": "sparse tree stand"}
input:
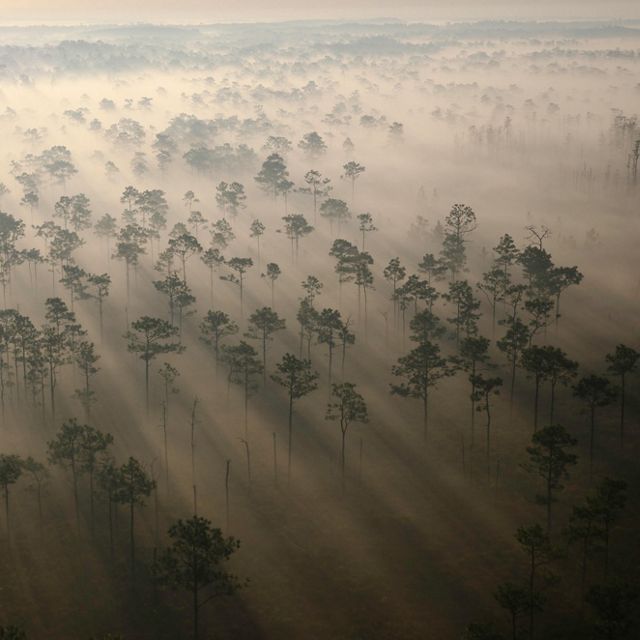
[(349, 406), (297, 377), (195, 561), (149, 338)]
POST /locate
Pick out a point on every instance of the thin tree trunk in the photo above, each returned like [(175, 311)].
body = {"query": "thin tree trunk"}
[(342, 459), (290, 437)]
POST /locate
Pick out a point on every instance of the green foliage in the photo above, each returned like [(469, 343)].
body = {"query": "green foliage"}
[(296, 376)]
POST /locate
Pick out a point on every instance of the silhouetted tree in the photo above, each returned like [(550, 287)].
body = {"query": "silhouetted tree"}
[(149, 338), (272, 173), (213, 259), (230, 197), (622, 362), (298, 379), (512, 345), (484, 388), (348, 407), (239, 266), (561, 370), (422, 368), (195, 560), (352, 171), (473, 354), (11, 468), (549, 458), (312, 144), (394, 272), (296, 227), (86, 358), (607, 503), (263, 323), (93, 452), (318, 187), (335, 211), (39, 474), (540, 553), (100, 284), (134, 485), (515, 599), (216, 326), (66, 450), (272, 274), (184, 246), (244, 365), (257, 230), (596, 392), (615, 607)]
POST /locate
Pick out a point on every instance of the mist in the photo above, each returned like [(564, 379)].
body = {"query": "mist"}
[(431, 226)]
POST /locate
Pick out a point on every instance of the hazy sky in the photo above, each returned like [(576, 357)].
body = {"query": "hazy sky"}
[(261, 10)]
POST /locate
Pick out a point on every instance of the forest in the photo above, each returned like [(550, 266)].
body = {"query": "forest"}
[(320, 330)]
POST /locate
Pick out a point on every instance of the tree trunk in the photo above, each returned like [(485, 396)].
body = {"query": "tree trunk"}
[(6, 512), (342, 458), (622, 399), (592, 431), (425, 417), (195, 609), (275, 459), (290, 436), (535, 404), (132, 538), (146, 383), (75, 492), (91, 509)]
